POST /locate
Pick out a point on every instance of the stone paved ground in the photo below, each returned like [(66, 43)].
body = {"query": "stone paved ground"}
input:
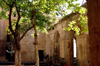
[(14, 65)]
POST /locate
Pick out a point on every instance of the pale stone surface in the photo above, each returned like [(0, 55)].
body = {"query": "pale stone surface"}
[(1, 28), (62, 49), (82, 50), (14, 65), (28, 48), (66, 41), (56, 38)]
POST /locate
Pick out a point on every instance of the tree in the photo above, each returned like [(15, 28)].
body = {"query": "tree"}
[(31, 13), (7, 8), (93, 7), (82, 26)]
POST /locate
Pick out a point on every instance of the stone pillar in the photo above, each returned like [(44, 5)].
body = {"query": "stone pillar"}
[(68, 52), (68, 47), (82, 50), (62, 48), (94, 31), (52, 49), (49, 44), (48, 49), (57, 50)]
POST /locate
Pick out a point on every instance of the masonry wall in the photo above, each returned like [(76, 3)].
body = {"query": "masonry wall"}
[(28, 48), (83, 50), (3, 37), (57, 41), (66, 41)]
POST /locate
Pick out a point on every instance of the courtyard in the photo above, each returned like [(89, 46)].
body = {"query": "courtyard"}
[(49, 33)]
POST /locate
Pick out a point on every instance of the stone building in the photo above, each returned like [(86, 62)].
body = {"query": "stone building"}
[(62, 41), (57, 42), (27, 46)]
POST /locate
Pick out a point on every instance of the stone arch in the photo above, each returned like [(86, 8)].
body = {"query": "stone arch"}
[(68, 47), (57, 44)]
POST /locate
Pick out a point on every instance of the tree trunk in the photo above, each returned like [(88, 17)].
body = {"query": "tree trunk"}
[(35, 34), (15, 56), (18, 52), (36, 45), (19, 57), (94, 31), (37, 56)]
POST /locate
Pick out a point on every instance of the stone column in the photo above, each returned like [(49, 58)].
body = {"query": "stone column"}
[(62, 48), (68, 48), (82, 50), (57, 49), (94, 31), (68, 52), (52, 49), (48, 48)]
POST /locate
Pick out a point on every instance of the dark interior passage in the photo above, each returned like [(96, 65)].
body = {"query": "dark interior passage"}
[(9, 50), (41, 55)]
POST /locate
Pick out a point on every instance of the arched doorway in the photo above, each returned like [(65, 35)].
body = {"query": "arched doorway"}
[(75, 51)]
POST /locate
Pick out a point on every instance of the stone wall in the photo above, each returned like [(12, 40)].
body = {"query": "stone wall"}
[(65, 41), (28, 48), (83, 49), (3, 37), (61, 39), (57, 41)]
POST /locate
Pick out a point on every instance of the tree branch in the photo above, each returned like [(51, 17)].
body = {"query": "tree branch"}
[(37, 5), (10, 26), (38, 12), (9, 4), (25, 32), (6, 3), (13, 2), (10, 12), (32, 16), (18, 18)]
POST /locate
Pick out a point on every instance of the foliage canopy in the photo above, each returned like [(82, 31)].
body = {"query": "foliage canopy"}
[(45, 12)]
